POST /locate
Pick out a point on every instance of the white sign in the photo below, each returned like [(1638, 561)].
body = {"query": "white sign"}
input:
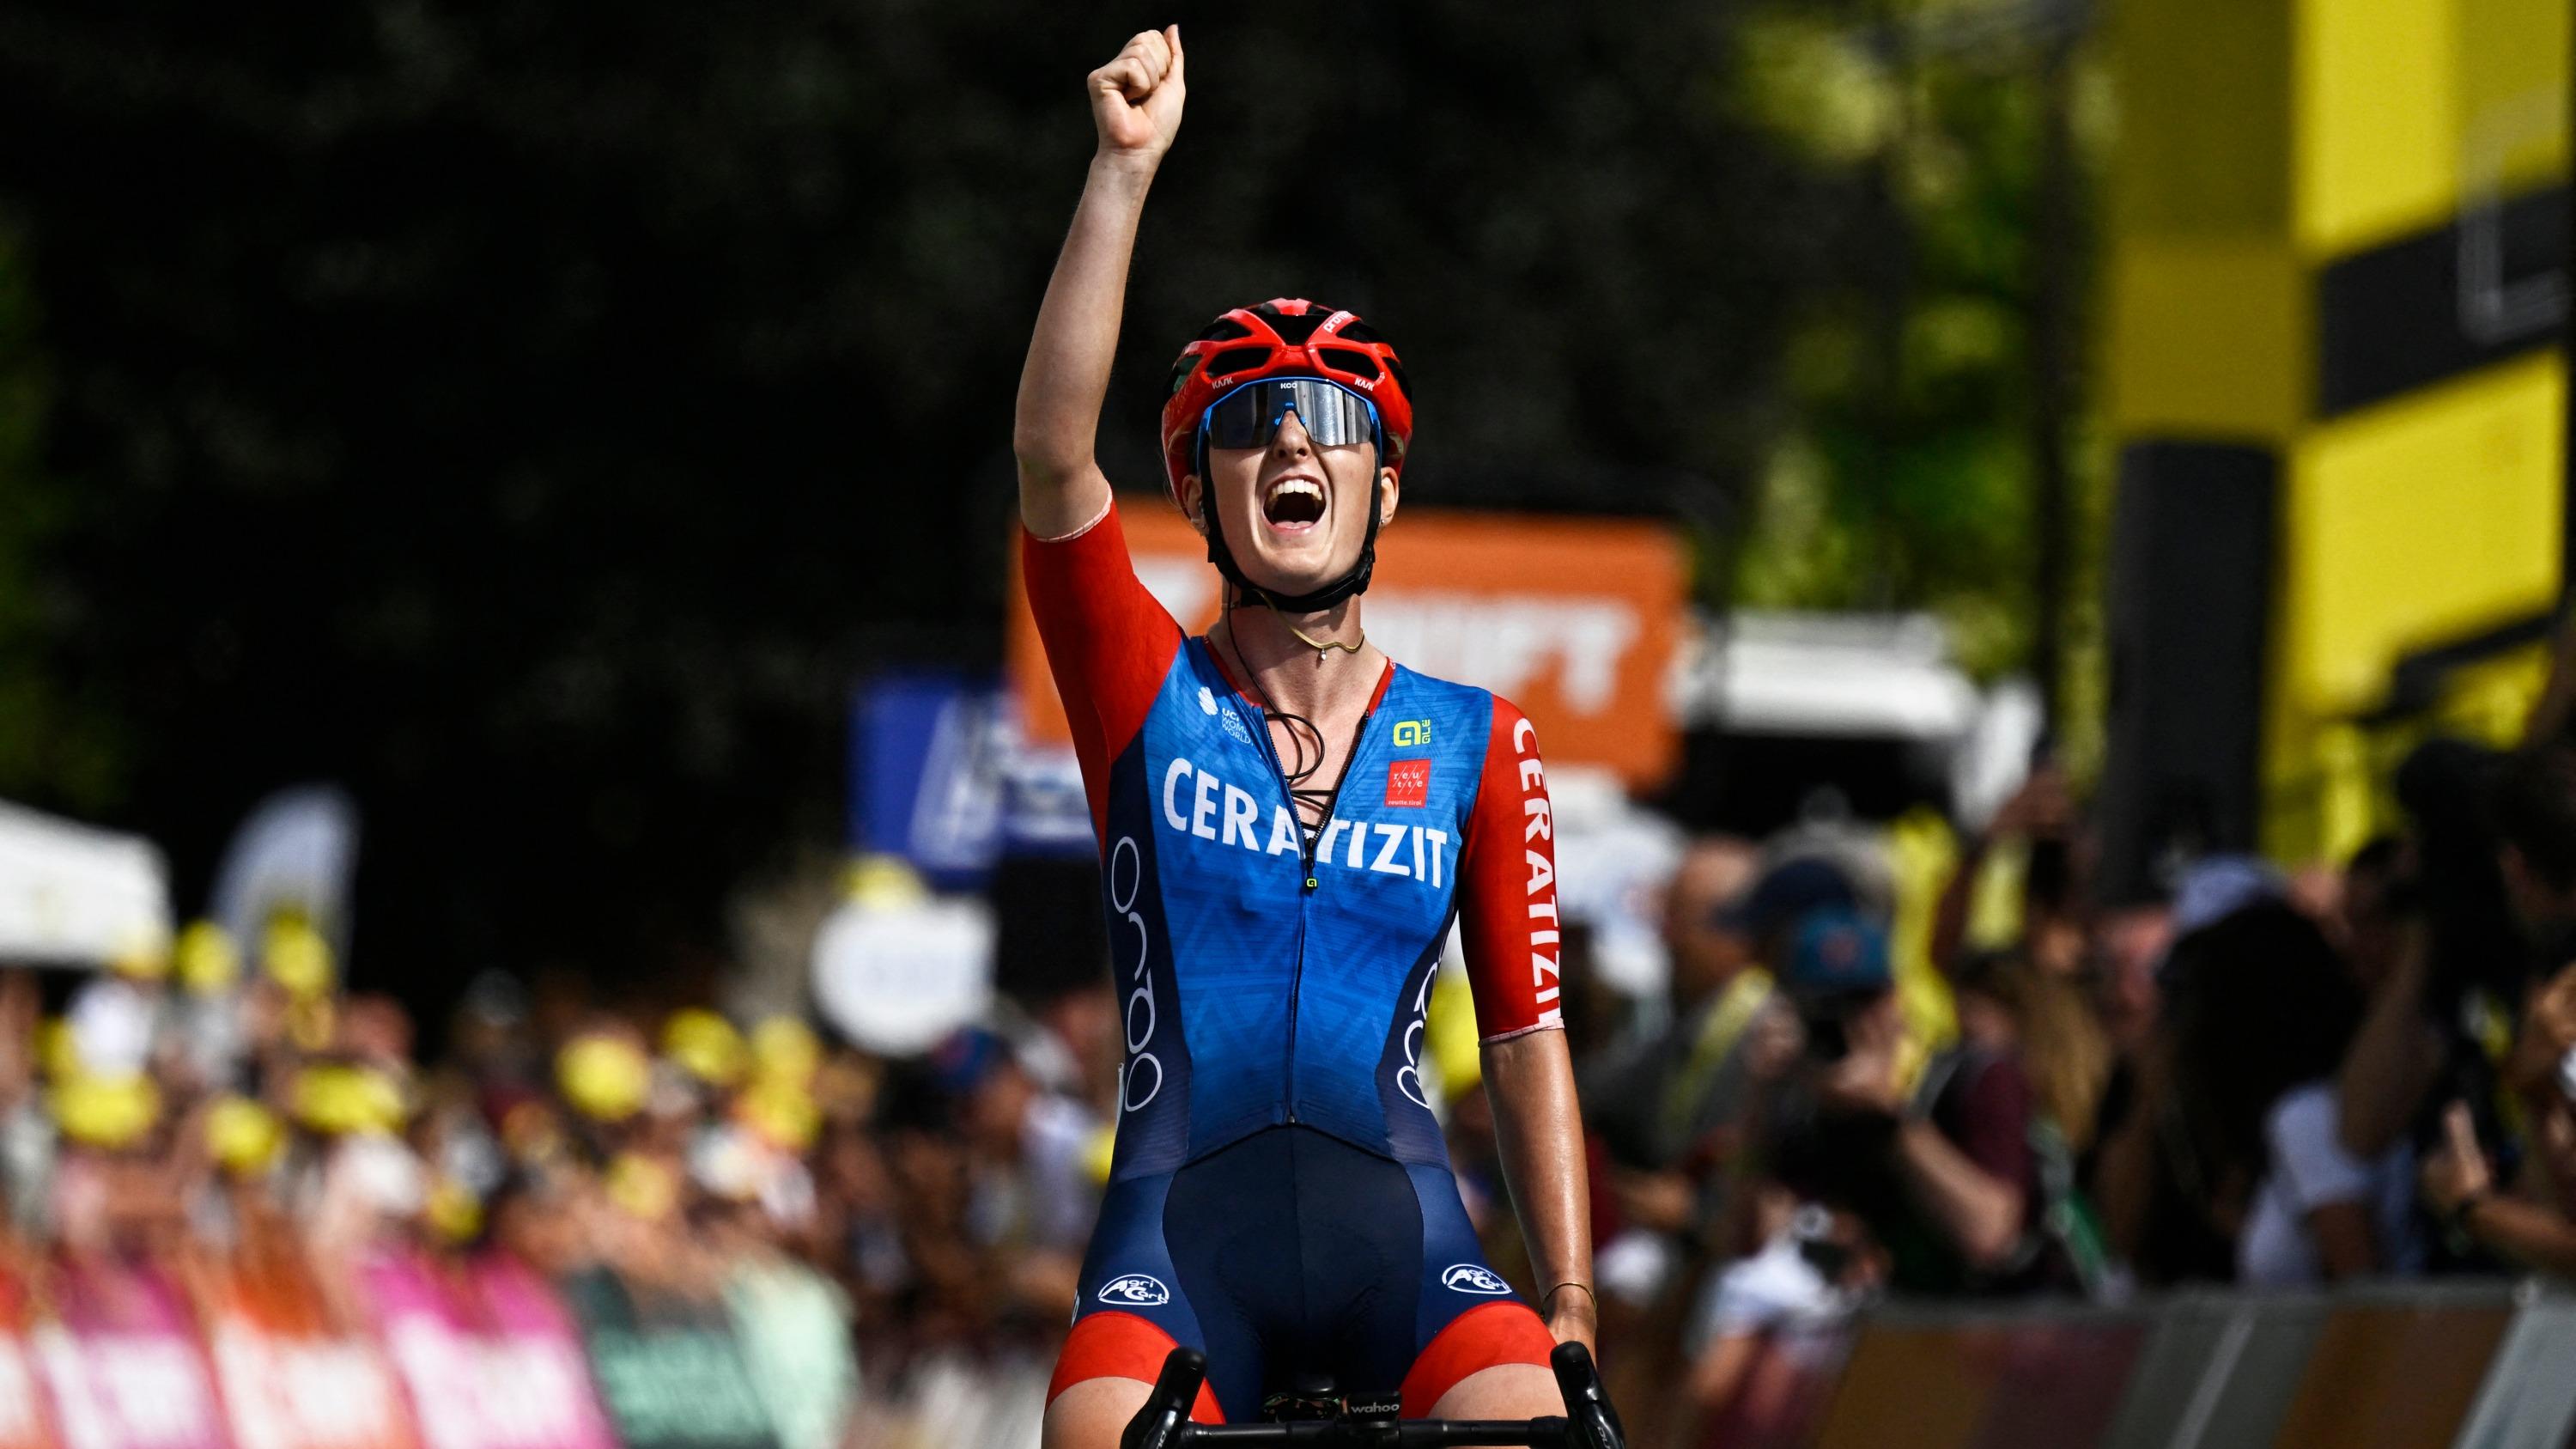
[(69, 893), (896, 977)]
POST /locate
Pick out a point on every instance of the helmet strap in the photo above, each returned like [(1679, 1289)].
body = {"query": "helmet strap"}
[(1314, 601)]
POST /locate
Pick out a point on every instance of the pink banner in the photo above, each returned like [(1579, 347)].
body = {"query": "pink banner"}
[(24, 1423), (121, 1361), (291, 1377), (487, 1355)]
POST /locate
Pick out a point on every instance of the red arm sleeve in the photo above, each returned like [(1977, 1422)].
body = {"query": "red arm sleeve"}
[(1507, 886), (1108, 642)]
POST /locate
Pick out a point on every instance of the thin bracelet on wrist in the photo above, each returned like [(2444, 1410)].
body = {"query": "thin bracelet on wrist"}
[(1548, 1298)]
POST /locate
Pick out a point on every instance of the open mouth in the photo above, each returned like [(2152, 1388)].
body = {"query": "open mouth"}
[(1293, 502)]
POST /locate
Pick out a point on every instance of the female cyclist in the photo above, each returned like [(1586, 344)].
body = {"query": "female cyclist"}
[(1289, 825)]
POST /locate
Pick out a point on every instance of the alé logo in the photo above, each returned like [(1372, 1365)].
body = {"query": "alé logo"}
[(1473, 1278), (1135, 1290)]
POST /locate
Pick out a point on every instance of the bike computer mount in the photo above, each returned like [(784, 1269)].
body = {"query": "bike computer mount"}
[(1323, 1421)]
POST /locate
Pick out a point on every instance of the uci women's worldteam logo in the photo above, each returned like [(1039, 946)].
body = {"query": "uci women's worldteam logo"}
[(1135, 1290), (1474, 1278), (1226, 719)]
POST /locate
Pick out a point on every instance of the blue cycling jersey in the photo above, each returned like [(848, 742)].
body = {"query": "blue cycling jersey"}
[(1273, 978)]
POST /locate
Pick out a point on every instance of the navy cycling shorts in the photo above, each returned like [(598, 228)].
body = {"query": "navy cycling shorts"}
[(1294, 1253)]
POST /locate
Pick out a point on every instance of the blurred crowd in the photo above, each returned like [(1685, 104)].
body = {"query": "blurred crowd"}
[(1903, 1061), (1983, 1080), (211, 1116)]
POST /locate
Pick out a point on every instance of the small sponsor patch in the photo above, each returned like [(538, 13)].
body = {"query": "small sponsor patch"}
[(1135, 1290), (1232, 724), (1408, 782), (1473, 1278), (1412, 734)]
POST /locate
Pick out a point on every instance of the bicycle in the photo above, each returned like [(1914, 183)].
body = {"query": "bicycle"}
[(1322, 1419)]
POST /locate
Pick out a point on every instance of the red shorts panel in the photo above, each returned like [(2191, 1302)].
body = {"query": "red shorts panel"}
[(1112, 1345), (1480, 1338)]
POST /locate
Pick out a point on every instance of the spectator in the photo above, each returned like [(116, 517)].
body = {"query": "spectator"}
[(1943, 1177), (1655, 1097), (2261, 1013), (1766, 1334), (2012, 1012), (1031, 1154), (2533, 1224)]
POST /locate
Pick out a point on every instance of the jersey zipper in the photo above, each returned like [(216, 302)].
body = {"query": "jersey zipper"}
[(1308, 853)]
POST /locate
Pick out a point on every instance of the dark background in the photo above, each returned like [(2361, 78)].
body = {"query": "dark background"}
[(535, 416)]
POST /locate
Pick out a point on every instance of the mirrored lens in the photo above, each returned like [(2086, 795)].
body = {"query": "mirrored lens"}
[(1248, 416)]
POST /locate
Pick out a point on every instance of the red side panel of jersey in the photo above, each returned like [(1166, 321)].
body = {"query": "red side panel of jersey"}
[(1507, 886), (1108, 643)]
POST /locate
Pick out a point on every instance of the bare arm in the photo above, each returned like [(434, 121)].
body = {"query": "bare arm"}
[(2393, 1062), (2525, 1233), (1530, 1078), (1136, 107), (1975, 1210), (2459, 1184)]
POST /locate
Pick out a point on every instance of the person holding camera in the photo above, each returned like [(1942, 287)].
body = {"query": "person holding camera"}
[(1942, 1174), (2532, 1221)]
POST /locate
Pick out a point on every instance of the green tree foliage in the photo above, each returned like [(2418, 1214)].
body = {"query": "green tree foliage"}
[(1903, 476), (534, 415)]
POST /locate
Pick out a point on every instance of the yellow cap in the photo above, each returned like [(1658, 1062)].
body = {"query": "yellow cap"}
[(786, 1049), (781, 1112), (209, 962), (454, 1212), (882, 881), (605, 1077), (58, 1049), (296, 957), (244, 1136), (705, 1045), (142, 955), (641, 1187), (106, 1112), (343, 1097)]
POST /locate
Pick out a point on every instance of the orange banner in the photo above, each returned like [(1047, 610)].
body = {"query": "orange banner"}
[(1574, 620)]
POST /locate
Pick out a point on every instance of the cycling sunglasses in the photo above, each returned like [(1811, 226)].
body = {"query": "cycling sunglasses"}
[(1250, 415)]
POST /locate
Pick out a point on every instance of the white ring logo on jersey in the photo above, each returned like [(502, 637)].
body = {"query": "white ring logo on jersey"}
[(1135, 1290), (1473, 1278), (1408, 1078), (1126, 878)]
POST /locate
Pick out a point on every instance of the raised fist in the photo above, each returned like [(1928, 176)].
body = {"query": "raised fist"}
[(1136, 98)]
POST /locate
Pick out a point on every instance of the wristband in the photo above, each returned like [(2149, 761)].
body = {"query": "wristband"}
[(1549, 1296)]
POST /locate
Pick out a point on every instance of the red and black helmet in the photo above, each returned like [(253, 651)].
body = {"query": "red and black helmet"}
[(1283, 337)]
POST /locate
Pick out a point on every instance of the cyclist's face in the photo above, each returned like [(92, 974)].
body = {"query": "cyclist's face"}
[(1295, 514)]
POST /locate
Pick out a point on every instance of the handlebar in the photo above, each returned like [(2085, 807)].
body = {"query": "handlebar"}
[(1589, 1421)]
